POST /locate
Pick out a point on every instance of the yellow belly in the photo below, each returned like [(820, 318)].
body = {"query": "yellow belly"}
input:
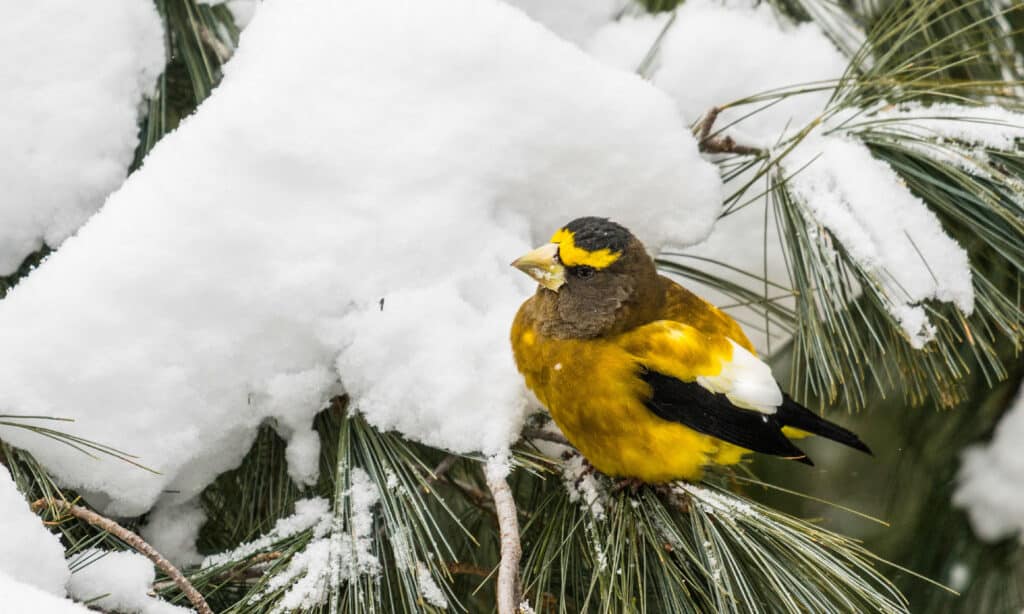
[(647, 447), (592, 392)]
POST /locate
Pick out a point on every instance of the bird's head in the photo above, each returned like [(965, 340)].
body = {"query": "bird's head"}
[(595, 278)]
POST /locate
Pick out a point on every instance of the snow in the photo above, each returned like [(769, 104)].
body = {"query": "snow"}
[(173, 529), (775, 55), (497, 468), (990, 484), (117, 581), (991, 125), (714, 502), (241, 10), (886, 230), (29, 553), (24, 597), (891, 234), (583, 486), (74, 74), (306, 576), (596, 545), (327, 561), (626, 42), (702, 64), (429, 589), (280, 396), (354, 549), (314, 513), (573, 20), (257, 242), (957, 135), (959, 577)]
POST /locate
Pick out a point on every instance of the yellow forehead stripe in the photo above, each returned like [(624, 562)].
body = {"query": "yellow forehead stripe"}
[(571, 255)]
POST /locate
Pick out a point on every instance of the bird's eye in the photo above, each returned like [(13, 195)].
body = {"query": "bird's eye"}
[(583, 272)]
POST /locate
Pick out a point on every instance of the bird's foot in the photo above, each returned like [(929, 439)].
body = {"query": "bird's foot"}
[(633, 484)]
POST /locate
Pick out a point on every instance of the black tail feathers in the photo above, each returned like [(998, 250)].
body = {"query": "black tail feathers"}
[(793, 414)]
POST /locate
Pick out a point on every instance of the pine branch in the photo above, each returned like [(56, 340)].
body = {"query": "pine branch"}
[(246, 570), (132, 539)]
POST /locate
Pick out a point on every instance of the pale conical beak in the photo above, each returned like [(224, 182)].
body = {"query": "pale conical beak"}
[(542, 264)]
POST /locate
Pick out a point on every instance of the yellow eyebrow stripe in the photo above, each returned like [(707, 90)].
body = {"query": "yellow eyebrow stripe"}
[(571, 255)]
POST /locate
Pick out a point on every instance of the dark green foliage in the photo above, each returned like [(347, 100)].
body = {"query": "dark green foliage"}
[(198, 39), (31, 262)]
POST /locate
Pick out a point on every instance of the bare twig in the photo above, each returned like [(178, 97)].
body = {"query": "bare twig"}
[(443, 467), (439, 475), (132, 540), (508, 526), (721, 144), (726, 144), (709, 120)]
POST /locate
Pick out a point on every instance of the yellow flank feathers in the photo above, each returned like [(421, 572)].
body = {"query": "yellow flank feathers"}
[(571, 255), (678, 350), (610, 424)]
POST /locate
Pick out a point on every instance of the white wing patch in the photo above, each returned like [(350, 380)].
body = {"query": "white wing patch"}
[(746, 382)]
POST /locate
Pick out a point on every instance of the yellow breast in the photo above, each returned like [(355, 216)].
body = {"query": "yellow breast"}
[(593, 393)]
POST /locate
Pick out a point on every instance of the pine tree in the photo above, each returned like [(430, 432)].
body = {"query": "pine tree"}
[(446, 530)]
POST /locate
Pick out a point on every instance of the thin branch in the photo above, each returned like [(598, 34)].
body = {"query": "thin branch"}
[(508, 527), (709, 120), (721, 144), (726, 144), (442, 468), (132, 540), (439, 475)]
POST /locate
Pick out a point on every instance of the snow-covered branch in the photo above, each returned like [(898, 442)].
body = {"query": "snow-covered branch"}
[(133, 540)]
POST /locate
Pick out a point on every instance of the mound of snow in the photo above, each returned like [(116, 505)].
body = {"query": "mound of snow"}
[(990, 486), (354, 152), (74, 74), (28, 552)]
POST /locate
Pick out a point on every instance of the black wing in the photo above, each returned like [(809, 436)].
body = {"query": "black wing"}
[(696, 407), (793, 414)]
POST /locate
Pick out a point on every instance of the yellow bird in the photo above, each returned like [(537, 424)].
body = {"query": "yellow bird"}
[(647, 380)]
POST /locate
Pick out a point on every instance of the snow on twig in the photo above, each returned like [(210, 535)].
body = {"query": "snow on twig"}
[(133, 540), (721, 144)]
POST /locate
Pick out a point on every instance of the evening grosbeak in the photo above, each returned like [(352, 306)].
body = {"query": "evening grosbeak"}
[(647, 380)]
